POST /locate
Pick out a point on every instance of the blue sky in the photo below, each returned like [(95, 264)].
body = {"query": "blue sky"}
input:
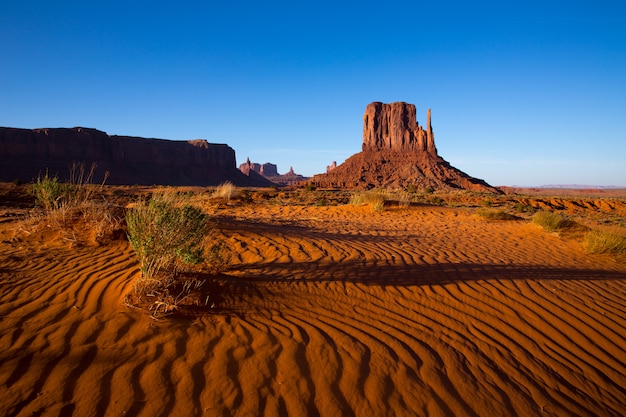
[(522, 93)]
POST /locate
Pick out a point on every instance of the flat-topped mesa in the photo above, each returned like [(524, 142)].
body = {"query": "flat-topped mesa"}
[(394, 126), (26, 154)]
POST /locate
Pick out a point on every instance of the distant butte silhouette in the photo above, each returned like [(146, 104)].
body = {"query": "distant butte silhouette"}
[(397, 153), (26, 154)]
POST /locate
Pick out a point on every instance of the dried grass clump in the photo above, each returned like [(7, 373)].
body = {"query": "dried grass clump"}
[(495, 215), (550, 221), (78, 209), (375, 199), (604, 242), (225, 191)]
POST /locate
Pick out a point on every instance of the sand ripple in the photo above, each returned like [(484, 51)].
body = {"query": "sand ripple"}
[(328, 311)]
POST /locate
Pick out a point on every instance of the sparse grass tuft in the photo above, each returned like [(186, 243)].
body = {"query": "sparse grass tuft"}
[(550, 221), (357, 199), (604, 242), (375, 199), (524, 208), (72, 207), (495, 215), (438, 201), (225, 191)]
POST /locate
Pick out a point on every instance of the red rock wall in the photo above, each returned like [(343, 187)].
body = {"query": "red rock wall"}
[(26, 154)]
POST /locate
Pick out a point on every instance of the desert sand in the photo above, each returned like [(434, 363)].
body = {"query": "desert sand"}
[(330, 310)]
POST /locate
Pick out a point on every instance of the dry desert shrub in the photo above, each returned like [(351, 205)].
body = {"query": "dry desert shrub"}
[(550, 221), (78, 209), (375, 199), (168, 236), (163, 232), (225, 191), (490, 214), (604, 242)]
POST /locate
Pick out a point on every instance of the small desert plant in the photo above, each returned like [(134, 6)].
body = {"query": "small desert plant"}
[(49, 192), (52, 194), (72, 207), (550, 221), (494, 214), (604, 242), (411, 189), (438, 201), (357, 199), (429, 190), (375, 199), (225, 191), (524, 208), (163, 234)]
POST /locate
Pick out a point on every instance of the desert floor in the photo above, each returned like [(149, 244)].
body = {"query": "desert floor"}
[(327, 310)]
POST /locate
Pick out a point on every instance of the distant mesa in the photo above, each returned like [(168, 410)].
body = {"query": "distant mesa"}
[(26, 154), (270, 172), (397, 152)]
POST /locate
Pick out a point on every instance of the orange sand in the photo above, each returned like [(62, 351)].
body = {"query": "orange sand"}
[(329, 311)]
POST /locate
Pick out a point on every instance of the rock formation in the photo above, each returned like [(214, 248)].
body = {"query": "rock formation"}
[(397, 152), (26, 154), (394, 126), (270, 172)]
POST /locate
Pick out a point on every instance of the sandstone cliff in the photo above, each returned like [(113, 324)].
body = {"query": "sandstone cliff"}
[(397, 152), (25, 154)]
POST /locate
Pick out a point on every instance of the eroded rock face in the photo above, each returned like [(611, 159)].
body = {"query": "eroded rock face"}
[(397, 153), (26, 154), (394, 126)]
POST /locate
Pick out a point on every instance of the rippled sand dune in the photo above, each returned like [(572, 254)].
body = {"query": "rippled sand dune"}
[(327, 311)]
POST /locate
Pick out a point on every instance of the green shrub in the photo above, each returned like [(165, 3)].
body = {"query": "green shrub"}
[(429, 190), (411, 189), (550, 221), (164, 234), (604, 242)]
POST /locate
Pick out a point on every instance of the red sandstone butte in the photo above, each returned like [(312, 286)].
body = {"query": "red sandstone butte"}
[(397, 153)]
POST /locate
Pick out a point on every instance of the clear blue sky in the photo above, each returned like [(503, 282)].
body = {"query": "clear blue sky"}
[(522, 93)]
